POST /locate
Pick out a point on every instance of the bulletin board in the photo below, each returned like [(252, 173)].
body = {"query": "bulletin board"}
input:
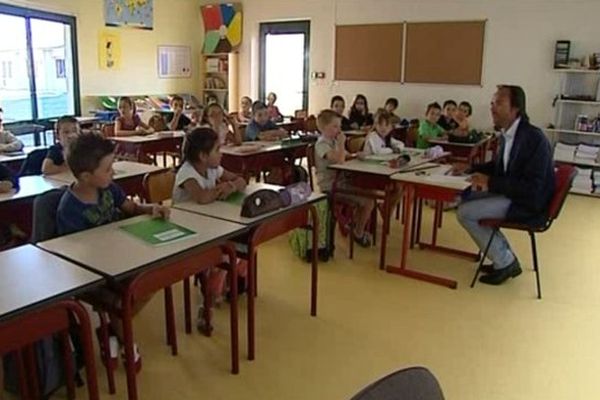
[(174, 62), (369, 52), (444, 52)]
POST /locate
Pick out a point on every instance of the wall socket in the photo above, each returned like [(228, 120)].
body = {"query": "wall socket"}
[(317, 75)]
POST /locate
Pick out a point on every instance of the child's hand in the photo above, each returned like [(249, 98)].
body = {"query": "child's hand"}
[(227, 188), (5, 186), (341, 139), (159, 211)]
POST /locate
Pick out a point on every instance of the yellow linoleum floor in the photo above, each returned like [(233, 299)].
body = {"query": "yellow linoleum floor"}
[(487, 343)]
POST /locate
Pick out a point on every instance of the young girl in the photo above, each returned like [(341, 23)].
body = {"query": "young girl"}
[(128, 123), (429, 128), (244, 116), (379, 141), (214, 116), (360, 118), (201, 179), (338, 104), (446, 120), (274, 113), (179, 121), (67, 129), (462, 118)]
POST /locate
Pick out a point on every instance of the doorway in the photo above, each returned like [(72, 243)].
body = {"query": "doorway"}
[(284, 64)]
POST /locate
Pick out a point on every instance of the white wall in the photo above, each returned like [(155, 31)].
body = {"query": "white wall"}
[(519, 47), (176, 22)]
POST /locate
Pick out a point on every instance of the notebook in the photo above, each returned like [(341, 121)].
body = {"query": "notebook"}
[(158, 231)]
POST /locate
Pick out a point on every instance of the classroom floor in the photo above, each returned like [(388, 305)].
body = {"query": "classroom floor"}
[(483, 343)]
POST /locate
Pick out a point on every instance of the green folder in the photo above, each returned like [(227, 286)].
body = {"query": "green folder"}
[(236, 198), (158, 231)]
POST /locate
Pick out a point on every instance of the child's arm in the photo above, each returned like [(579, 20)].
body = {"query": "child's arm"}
[(130, 207), (199, 195), (119, 131), (175, 121), (230, 183), (338, 154), (10, 142), (235, 135), (50, 168)]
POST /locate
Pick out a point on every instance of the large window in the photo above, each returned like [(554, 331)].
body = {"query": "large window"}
[(38, 65)]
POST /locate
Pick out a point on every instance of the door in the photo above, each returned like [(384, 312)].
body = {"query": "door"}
[(284, 56)]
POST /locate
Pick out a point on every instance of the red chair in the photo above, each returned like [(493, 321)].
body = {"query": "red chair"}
[(564, 175), (17, 334)]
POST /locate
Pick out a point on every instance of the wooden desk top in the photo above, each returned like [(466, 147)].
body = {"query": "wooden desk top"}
[(30, 186), (376, 165), (111, 251), (446, 142), (355, 133), (260, 147), (123, 170), (231, 212), (435, 177), (155, 137), (20, 155), (30, 277)]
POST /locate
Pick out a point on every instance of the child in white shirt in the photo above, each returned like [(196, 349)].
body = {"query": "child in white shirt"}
[(378, 142), (8, 141)]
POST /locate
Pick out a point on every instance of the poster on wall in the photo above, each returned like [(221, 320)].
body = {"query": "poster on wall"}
[(129, 13), (109, 50), (174, 62), (222, 27)]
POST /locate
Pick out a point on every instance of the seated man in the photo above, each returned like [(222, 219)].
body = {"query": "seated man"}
[(517, 186)]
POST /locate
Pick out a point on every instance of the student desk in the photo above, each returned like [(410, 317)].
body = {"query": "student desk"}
[(141, 148), (286, 124), (32, 283), (17, 206), (254, 157), (427, 184), (474, 153), (263, 229), (15, 159), (113, 253), (128, 174), (373, 175)]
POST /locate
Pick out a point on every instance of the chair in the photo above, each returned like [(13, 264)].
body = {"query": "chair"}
[(355, 144), (158, 186), (18, 334), (563, 180), (33, 163), (37, 130), (416, 383)]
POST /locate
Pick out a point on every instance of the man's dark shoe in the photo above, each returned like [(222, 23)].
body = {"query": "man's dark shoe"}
[(498, 277), (487, 269)]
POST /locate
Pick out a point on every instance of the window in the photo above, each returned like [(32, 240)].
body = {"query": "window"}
[(38, 64)]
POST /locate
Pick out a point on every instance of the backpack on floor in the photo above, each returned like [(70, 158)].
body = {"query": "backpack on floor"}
[(300, 240)]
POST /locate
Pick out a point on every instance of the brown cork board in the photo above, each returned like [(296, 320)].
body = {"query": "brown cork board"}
[(369, 52), (444, 52)]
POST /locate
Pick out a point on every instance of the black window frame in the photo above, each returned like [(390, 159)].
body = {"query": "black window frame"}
[(29, 13)]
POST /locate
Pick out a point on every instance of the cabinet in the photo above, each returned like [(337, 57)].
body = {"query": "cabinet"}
[(219, 79)]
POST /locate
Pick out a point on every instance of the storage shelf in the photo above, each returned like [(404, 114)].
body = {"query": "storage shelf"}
[(573, 132), (579, 163), (577, 71), (584, 192), (584, 102)]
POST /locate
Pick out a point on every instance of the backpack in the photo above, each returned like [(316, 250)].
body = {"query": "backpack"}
[(300, 239), (286, 175)]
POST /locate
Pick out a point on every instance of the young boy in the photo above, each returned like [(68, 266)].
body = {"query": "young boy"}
[(391, 105), (429, 128), (330, 149), (94, 200), (446, 120), (67, 129), (179, 121), (8, 141), (261, 127), (378, 141), (338, 104)]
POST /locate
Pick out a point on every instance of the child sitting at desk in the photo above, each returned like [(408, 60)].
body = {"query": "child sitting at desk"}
[(330, 149), (128, 123), (429, 128), (8, 141), (446, 120), (462, 118), (360, 117), (94, 200), (244, 116), (179, 121), (338, 104), (214, 117), (273, 111), (67, 129), (202, 179), (379, 140), (261, 127), (391, 105)]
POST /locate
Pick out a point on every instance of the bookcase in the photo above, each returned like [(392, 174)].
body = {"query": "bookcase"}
[(220, 79)]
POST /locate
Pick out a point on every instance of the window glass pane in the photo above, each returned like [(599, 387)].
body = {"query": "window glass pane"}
[(15, 97), (51, 43)]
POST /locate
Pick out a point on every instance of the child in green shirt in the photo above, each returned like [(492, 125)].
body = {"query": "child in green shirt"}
[(429, 128)]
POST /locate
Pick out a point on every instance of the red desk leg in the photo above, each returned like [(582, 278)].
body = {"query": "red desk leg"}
[(403, 269)]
